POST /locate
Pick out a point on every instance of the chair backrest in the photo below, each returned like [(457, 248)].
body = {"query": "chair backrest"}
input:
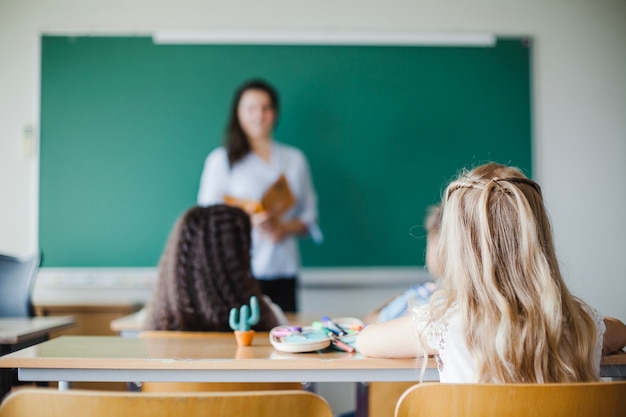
[(206, 386), (380, 398), (589, 399), (17, 278), (45, 402)]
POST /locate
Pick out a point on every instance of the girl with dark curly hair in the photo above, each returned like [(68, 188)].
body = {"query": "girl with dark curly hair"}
[(205, 271)]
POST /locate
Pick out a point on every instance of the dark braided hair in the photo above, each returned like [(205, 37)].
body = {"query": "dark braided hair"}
[(205, 271)]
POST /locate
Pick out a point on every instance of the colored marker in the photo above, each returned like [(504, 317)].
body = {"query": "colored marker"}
[(328, 321), (343, 346)]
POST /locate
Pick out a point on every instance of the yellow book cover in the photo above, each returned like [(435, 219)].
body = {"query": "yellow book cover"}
[(277, 199)]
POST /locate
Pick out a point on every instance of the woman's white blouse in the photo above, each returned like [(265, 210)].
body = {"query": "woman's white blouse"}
[(454, 360), (249, 178)]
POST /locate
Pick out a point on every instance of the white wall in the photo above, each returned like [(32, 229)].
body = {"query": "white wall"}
[(579, 99)]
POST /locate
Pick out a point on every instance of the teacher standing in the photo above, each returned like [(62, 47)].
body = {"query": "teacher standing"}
[(248, 163)]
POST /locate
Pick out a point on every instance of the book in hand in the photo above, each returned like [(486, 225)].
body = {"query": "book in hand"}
[(276, 200)]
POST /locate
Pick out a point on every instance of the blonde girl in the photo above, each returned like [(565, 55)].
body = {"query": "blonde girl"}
[(504, 313)]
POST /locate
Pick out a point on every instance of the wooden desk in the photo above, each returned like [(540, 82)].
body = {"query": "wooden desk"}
[(130, 325), (212, 358), (93, 320), (17, 331)]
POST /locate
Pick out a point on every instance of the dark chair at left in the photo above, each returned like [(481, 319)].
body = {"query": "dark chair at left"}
[(17, 278)]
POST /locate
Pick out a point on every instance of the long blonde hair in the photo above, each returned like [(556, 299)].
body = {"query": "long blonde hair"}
[(521, 324)]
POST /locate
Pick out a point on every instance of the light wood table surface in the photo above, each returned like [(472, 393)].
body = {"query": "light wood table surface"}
[(19, 332), (212, 357), (130, 325), (14, 331)]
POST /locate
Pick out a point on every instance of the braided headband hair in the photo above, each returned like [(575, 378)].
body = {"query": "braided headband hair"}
[(481, 185)]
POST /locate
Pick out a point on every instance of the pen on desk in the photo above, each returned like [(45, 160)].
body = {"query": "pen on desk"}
[(332, 332), (341, 345), (328, 321), (286, 331)]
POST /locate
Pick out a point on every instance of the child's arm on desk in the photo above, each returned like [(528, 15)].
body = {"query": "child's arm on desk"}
[(614, 336), (391, 339)]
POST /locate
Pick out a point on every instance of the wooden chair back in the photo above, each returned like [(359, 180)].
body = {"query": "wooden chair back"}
[(207, 386), (45, 402), (590, 399), (379, 399)]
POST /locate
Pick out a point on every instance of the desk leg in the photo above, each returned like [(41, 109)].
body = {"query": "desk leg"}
[(362, 399), (133, 386), (64, 385), (310, 386), (6, 381)]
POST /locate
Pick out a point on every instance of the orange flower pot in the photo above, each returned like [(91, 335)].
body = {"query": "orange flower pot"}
[(244, 352), (244, 338)]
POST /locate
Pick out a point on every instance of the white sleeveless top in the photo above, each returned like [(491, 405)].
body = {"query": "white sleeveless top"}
[(454, 360)]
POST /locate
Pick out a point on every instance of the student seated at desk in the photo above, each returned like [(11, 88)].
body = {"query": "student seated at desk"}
[(418, 294), (205, 271), (504, 314), (401, 304)]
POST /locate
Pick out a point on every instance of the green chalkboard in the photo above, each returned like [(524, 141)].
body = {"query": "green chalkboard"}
[(126, 125)]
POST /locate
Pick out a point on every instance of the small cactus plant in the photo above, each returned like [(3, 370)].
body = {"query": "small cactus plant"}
[(245, 317)]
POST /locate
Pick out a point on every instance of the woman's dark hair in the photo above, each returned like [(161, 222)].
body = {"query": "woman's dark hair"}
[(205, 271), (236, 141)]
